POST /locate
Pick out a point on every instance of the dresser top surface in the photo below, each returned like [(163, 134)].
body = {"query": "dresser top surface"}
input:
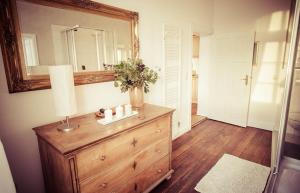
[(90, 131)]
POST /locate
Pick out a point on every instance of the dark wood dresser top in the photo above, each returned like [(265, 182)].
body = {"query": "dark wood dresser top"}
[(90, 131)]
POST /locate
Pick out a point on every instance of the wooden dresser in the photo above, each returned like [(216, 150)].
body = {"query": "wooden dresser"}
[(129, 156)]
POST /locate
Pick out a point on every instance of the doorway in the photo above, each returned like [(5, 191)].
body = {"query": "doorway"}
[(195, 117), (224, 87), (243, 89)]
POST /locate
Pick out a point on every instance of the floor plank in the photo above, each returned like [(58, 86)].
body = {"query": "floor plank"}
[(292, 150), (197, 151), (197, 119), (194, 108)]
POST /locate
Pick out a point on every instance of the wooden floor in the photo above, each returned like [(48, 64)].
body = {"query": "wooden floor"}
[(197, 119), (292, 150), (194, 108), (197, 151)]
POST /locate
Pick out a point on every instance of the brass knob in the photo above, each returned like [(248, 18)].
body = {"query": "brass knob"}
[(103, 157), (159, 171), (246, 79), (158, 130), (158, 151), (104, 185), (134, 165), (134, 142), (135, 186)]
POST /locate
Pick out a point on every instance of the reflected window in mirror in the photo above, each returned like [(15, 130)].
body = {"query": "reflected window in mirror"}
[(31, 57)]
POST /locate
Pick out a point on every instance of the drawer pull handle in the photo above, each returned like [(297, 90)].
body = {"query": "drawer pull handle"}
[(159, 171), (158, 151), (158, 131), (103, 157), (134, 142), (134, 165), (135, 187), (104, 185)]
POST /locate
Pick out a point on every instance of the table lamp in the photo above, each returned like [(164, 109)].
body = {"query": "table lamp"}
[(62, 85)]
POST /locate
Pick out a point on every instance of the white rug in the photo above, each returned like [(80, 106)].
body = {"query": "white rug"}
[(234, 175)]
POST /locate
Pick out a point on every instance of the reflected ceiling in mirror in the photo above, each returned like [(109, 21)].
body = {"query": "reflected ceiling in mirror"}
[(53, 36)]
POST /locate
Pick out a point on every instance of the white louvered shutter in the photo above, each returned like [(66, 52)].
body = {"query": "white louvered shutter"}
[(172, 64)]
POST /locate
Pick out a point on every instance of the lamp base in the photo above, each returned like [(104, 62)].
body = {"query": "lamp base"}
[(67, 127)]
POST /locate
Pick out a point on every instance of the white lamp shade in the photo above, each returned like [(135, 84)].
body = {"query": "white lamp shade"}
[(62, 84)]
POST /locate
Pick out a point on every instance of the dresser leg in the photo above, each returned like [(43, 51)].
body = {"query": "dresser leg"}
[(169, 177)]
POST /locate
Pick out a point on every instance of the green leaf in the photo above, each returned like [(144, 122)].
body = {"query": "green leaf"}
[(133, 73), (116, 84)]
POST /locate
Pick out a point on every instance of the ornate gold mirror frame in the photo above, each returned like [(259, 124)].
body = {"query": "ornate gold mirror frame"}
[(10, 39)]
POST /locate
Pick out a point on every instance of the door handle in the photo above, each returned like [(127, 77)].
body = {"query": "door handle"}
[(255, 54), (135, 187), (246, 79)]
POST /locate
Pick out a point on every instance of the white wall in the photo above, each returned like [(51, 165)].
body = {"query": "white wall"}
[(245, 15), (20, 112)]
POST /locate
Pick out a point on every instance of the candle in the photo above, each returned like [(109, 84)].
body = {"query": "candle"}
[(119, 111), (128, 109), (108, 114)]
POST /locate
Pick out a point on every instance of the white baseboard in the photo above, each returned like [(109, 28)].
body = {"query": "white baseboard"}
[(262, 125), (179, 133)]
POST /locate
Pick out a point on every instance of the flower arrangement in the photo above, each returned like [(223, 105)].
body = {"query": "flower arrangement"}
[(133, 73)]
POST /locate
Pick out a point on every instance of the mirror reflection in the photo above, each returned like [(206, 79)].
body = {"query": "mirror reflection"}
[(88, 41)]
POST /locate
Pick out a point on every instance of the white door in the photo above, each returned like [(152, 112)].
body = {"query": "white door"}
[(204, 67), (172, 63), (229, 73), (267, 84)]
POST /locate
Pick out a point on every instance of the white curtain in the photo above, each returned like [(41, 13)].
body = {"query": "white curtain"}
[(6, 181)]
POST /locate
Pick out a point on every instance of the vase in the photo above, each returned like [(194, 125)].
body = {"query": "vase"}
[(136, 95)]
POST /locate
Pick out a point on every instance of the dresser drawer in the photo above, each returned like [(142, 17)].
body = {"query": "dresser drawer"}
[(103, 156), (120, 178), (128, 187), (151, 175)]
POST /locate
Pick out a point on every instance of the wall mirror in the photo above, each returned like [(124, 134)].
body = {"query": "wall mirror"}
[(90, 36)]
